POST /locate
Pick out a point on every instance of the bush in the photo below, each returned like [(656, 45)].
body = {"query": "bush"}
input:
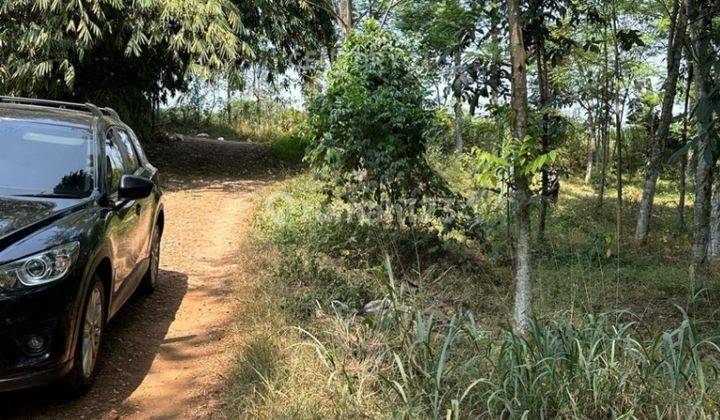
[(371, 129), (371, 124)]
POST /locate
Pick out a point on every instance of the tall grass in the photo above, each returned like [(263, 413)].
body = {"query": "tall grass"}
[(588, 366)]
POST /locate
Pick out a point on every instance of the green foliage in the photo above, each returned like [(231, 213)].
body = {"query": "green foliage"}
[(590, 367), (442, 30), (46, 44), (133, 54), (371, 124), (477, 131), (439, 345), (371, 129), (519, 155)]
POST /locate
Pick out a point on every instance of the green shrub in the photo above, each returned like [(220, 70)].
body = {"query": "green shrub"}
[(290, 146), (372, 123), (371, 129)]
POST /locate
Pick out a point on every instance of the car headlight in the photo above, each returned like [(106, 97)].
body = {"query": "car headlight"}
[(44, 267)]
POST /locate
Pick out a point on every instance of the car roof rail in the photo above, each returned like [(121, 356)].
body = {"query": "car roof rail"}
[(88, 107), (111, 112)]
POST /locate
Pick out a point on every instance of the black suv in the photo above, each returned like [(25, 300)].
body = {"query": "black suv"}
[(81, 218)]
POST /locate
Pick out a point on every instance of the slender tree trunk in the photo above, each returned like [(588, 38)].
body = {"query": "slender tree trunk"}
[(228, 98), (684, 158), (606, 120), (700, 33), (714, 235), (457, 91), (544, 88), (519, 105), (657, 147), (683, 188), (345, 9), (592, 140), (618, 127)]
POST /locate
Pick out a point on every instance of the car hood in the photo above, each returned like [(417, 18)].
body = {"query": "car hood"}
[(19, 213)]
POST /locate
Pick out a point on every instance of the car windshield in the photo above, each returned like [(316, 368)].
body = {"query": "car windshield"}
[(45, 160)]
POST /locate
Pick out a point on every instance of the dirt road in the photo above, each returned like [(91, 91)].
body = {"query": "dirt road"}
[(166, 355)]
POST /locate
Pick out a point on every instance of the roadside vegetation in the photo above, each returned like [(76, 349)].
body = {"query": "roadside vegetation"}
[(378, 311), (440, 335)]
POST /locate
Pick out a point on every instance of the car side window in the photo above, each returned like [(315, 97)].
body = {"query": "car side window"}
[(128, 150), (115, 164), (138, 148)]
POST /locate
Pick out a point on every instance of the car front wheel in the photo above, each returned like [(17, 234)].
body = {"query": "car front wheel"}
[(87, 351), (149, 282)]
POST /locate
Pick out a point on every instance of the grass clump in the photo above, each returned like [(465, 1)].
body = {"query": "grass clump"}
[(588, 366)]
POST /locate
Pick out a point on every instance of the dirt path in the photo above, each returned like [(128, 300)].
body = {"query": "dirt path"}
[(166, 355)]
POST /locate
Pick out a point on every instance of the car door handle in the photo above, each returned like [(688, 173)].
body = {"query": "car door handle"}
[(138, 209)]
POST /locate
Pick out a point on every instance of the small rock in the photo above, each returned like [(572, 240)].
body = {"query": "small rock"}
[(203, 135), (378, 306), (339, 306), (375, 307), (221, 138)]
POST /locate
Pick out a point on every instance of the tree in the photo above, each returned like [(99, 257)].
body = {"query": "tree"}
[(551, 44), (676, 40), (133, 55), (704, 43), (519, 116), (128, 54), (458, 42), (683, 143)]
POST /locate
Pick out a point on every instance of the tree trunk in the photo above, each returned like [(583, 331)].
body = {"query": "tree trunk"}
[(592, 139), (457, 91), (684, 158), (346, 16), (606, 120), (229, 101), (544, 89), (657, 147), (519, 105), (700, 33), (618, 128), (682, 193), (714, 233)]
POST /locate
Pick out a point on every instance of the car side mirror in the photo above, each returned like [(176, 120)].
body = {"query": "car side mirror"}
[(134, 187)]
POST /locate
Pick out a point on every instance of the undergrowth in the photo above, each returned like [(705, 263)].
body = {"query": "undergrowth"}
[(616, 335)]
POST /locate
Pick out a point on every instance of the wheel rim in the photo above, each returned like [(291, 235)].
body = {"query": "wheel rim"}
[(155, 259), (92, 331)]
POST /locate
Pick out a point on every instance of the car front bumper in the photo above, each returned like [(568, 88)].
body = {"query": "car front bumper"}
[(47, 315), (34, 378)]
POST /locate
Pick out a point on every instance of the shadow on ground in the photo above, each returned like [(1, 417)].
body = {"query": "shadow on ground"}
[(204, 163)]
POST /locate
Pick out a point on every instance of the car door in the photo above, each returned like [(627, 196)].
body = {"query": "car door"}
[(123, 222), (144, 207)]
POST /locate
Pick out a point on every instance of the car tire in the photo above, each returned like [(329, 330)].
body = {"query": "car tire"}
[(89, 341), (149, 281)]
